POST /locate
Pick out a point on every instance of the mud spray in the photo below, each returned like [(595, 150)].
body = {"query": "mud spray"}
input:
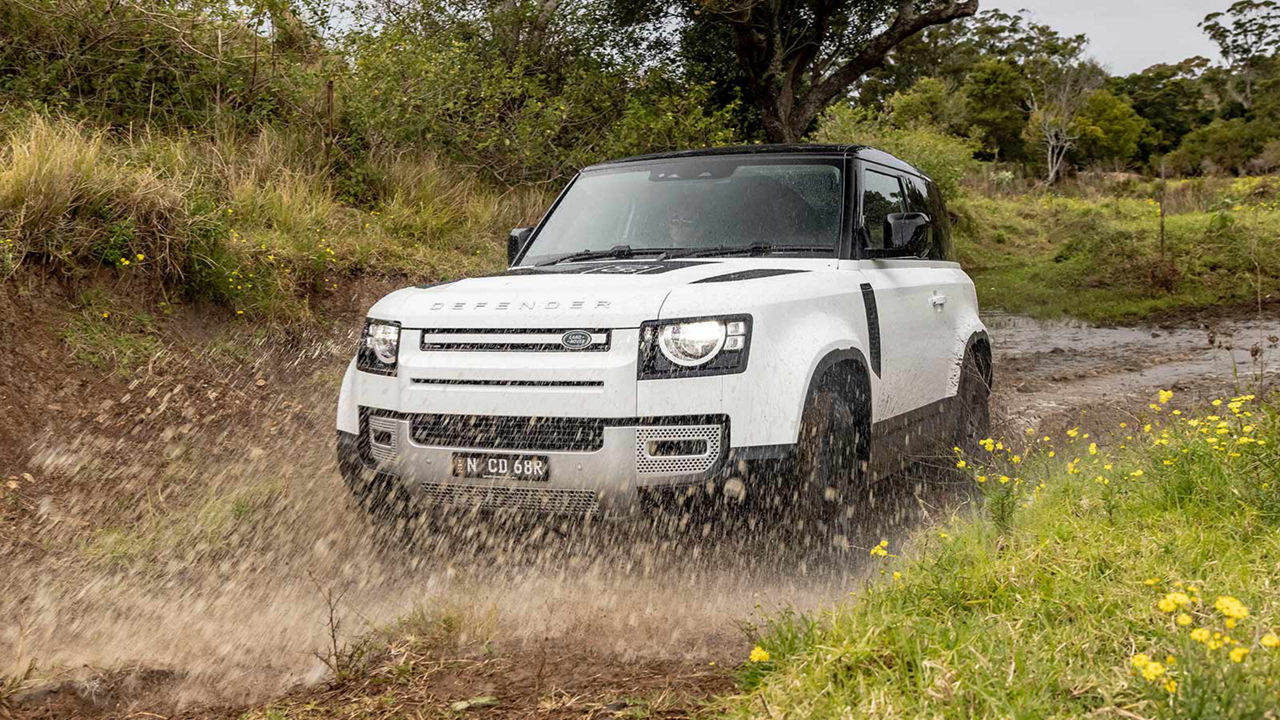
[(196, 525)]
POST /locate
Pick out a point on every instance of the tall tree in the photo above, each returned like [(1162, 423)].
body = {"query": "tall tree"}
[(995, 95), (1248, 34), (1059, 92), (799, 56), (1170, 98)]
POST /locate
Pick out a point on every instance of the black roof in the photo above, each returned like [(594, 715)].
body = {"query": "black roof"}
[(860, 151)]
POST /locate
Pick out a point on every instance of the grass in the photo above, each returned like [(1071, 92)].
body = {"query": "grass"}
[(1055, 600), (1100, 259), (259, 224), (122, 342)]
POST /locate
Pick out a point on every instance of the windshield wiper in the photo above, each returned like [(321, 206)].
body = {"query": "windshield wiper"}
[(617, 251), (754, 249)]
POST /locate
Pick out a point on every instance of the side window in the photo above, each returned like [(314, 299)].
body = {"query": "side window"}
[(941, 248), (881, 197), (918, 201)]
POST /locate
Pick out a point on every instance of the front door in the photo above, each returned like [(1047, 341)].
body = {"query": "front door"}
[(910, 306)]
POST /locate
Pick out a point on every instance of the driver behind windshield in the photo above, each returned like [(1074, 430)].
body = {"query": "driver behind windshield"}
[(682, 223)]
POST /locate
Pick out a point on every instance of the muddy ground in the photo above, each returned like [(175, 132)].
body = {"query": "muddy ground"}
[(176, 541)]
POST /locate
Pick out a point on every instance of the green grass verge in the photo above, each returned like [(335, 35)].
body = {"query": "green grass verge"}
[(1101, 260), (1108, 580)]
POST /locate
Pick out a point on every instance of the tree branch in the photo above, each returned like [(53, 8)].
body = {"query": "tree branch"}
[(906, 23)]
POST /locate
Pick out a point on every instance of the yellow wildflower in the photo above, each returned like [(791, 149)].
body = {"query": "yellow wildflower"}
[(1183, 619), (1239, 654), (758, 655), (1270, 640), (1231, 607), (1140, 660), (1152, 670), (1200, 635), (1165, 396), (1171, 685)]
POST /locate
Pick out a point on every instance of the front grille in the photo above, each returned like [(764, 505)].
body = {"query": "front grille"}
[(510, 340), (491, 432), (551, 500)]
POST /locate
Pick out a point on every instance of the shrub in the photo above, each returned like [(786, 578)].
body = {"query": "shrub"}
[(189, 64), (519, 119), (945, 158)]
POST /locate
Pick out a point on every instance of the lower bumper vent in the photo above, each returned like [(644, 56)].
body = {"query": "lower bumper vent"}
[(677, 450), (547, 500)]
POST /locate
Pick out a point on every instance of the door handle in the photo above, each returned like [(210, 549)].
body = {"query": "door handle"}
[(938, 301)]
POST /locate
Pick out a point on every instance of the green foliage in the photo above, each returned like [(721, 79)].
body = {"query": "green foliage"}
[(1109, 129), (518, 118), (943, 157), (1223, 146), (995, 94), (1169, 98), (1062, 613), (193, 64), (930, 103)]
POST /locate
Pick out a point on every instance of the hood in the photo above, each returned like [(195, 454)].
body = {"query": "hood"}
[(614, 294)]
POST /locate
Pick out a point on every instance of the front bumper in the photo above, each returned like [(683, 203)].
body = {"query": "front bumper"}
[(595, 465)]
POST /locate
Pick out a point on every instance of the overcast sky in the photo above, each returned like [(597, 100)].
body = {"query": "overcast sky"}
[(1127, 35)]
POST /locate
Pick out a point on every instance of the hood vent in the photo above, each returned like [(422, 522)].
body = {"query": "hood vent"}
[(748, 275)]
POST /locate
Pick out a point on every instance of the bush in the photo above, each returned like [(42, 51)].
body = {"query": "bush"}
[(63, 199), (519, 119), (945, 158), (190, 64)]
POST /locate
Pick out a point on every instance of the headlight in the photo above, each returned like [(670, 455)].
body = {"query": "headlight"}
[(691, 344), (379, 347), (694, 346)]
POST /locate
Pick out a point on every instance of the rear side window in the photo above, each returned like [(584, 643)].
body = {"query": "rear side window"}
[(881, 197), (918, 201), (940, 248)]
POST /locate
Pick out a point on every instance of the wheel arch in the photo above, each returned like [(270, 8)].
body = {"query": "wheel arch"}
[(979, 345)]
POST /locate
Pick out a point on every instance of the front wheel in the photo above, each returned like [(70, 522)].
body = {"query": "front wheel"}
[(831, 461), (973, 406)]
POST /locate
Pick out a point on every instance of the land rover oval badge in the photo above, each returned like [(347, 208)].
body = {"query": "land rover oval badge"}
[(575, 339)]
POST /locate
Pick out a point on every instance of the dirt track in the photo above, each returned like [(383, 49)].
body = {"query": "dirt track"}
[(182, 565)]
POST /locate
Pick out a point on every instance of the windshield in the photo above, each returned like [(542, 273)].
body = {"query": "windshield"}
[(699, 203)]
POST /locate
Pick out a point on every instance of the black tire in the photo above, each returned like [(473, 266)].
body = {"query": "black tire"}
[(973, 406), (831, 461), (381, 496)]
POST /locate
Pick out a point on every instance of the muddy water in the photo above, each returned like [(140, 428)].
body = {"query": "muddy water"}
[(240, 615)]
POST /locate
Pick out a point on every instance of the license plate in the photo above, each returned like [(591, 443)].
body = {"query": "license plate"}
[(532, 468)]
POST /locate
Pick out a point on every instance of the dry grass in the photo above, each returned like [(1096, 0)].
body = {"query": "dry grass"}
[(65, 198), (258, 223)]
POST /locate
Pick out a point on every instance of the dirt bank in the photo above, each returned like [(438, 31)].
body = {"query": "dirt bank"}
[(177, 541)]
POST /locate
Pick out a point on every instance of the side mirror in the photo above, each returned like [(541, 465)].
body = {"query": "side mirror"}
[(516, 242), (908, 229)]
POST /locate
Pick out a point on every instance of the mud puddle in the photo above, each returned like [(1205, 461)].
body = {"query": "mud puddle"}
[(234, 612)]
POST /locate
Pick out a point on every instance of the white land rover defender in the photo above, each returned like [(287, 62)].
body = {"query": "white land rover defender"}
[(675, 321)]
